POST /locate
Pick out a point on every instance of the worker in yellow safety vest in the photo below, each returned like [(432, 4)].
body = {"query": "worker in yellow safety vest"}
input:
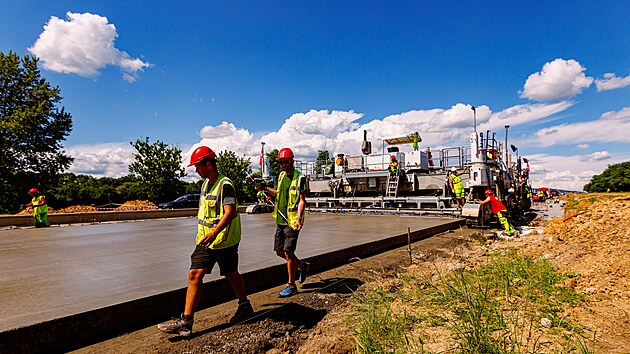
[(40, 208), (289, 211), (262, 198), (416, 140), (217, 240), (455, 182), (393, 166)]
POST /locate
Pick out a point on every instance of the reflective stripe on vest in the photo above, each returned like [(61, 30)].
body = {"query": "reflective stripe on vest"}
[(456, 179)]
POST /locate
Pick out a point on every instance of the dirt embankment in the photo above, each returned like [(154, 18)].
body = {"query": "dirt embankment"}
[(129, 205), (594, 245)]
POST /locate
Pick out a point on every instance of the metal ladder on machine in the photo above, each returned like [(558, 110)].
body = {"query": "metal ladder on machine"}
[(392, 185)]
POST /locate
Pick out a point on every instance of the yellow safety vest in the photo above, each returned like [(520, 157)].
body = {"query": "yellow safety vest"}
[(457, 181), (294, 197), (37, 209), (211, 211)]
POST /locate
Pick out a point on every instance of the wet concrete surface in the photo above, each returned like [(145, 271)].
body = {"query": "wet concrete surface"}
[(59, 271)]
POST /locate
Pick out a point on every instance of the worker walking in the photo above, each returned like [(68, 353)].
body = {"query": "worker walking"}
[(455, 182), (289, 213), (499, 209), (217, 240), (40, 208)]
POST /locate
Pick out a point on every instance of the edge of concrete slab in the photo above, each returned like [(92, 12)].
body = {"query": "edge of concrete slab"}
[(78, 330)]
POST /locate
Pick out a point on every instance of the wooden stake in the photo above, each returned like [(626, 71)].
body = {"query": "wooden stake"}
[(409, 244)]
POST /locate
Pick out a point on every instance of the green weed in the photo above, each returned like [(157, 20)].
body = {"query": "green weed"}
[(495, 308)]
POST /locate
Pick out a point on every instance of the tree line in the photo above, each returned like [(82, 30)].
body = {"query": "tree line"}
[(615, 178), (33, 125)]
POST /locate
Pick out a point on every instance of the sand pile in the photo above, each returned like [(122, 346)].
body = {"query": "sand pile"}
[(137, 205), (595, 244), (130, 205)]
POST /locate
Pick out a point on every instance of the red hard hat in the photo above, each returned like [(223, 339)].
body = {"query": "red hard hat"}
[(285, 153), (489, 192), (201, 153), (393, 157), (33, 190)]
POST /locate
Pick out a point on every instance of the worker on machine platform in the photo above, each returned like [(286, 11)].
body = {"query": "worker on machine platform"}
[(416, 140), (500, 210), (455, 182), (393, 166)]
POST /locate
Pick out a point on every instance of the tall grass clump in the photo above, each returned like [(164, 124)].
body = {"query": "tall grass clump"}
[(512, 304)]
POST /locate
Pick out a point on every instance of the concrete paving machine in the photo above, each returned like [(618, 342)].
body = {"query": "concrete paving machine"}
[(363, 183)]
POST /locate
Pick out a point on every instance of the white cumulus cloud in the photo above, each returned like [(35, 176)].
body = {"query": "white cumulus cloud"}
[(559, 80), (611, 82), (100, 160), (596, 156), (82, 45), (583, 146), (624, 113), (339, 131)]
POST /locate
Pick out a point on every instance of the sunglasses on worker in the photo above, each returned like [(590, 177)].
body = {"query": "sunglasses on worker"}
[(283, 162)]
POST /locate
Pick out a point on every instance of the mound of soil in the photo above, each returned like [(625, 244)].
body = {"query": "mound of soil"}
[(137, 205), (129, 205)]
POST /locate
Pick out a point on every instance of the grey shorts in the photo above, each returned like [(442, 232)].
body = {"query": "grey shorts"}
[(204, 257), (285, 239)]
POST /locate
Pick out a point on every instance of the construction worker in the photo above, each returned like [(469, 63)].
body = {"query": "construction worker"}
[(416, 140), (393, 166), (455, 182), (289, 213), (217, 240), (499, 209), (541, 196), (429, 157), (40, 208), (261, 197)]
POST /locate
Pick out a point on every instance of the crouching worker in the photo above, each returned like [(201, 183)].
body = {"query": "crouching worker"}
[(499, 209), (218, 236)]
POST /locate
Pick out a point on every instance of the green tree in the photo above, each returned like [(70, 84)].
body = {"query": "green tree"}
[(159, 168), (615, 178), (275, 165), (32, 127), (237, 169)]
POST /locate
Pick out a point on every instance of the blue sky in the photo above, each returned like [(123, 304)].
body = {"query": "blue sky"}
[(314, 75)]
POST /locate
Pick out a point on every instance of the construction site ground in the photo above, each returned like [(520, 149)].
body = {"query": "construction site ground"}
[(594, 245)]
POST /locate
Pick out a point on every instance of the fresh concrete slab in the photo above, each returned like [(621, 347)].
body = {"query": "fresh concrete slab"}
[(52, 273)]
